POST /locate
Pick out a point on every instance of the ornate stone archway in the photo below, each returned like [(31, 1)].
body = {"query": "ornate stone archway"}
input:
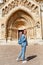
[(19, 20)]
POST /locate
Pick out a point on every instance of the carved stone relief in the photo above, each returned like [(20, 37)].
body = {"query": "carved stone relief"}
[(16, 3)]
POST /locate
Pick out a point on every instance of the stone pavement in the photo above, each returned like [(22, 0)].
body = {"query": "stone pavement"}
[(9, 53)]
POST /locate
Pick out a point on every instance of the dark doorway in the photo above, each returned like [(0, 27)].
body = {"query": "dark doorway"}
[(22, 32), (19, 32)]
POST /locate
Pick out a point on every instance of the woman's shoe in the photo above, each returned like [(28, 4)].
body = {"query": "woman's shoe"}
[(24, 61), (17, 59)]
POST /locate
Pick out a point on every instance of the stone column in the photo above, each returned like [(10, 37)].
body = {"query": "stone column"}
[(41, 15), (42, 25), (38, 33), (2, 31)]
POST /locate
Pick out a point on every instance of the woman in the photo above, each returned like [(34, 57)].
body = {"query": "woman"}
[(23, 42)]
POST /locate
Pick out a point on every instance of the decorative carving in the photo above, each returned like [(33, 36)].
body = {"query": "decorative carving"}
[(2, 26), (17, 3), (2, 3), (35, 10), (6, 10), (32, 5), (13, 4), (3, 11), (38, 24)]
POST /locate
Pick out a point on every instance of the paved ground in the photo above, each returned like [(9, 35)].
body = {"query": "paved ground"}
[(8, 54)]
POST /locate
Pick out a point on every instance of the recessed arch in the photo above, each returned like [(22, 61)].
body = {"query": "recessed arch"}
[(23, 10), (26, 10), (19, 14)]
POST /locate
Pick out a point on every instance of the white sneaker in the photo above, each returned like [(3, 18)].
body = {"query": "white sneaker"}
[(17, 59), (24, 61)]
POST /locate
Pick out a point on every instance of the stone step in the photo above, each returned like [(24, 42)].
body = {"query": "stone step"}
[(15, 42)]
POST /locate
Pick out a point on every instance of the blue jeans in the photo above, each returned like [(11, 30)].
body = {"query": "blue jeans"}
[(22, 53)]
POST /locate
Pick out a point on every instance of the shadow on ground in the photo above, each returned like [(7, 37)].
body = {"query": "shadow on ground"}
[(31, 57)]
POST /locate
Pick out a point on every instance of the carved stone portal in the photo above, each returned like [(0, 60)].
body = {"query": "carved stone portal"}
[(19, 20)]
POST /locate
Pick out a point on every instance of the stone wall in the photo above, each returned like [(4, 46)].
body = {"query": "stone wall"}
[(30, 7)]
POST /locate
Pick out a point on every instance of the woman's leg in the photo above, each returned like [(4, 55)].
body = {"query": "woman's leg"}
[(23, 52), (20, 53)]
